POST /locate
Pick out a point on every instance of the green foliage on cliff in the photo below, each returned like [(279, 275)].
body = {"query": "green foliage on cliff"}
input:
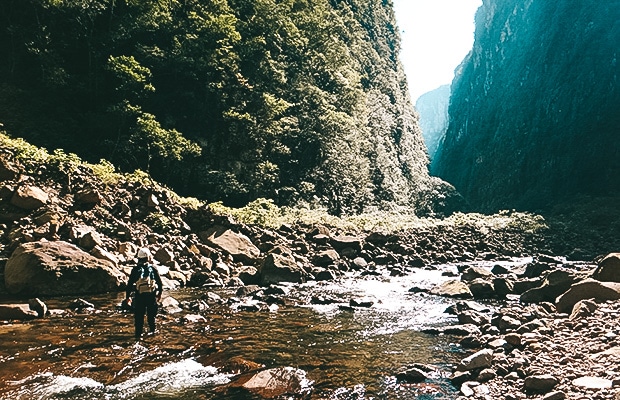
[(224, 100), (534, 108)]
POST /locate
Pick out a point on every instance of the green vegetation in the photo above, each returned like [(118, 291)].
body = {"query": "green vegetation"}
[(298, 101), (265, 213)]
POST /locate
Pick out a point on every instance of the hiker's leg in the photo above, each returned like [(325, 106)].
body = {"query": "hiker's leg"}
[(151, 312), (140, 310)]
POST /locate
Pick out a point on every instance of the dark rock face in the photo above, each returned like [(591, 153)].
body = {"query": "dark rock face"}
[(534, 106)]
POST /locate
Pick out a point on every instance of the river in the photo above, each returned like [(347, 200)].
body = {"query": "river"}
[(347, 353)]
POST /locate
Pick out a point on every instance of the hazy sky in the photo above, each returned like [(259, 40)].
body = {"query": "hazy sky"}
[(435, 37)]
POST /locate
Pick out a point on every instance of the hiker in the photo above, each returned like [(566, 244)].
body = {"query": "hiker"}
[(146, 282)]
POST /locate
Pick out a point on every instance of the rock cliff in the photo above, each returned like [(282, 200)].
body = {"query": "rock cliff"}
[(433, 109), (534, 106)]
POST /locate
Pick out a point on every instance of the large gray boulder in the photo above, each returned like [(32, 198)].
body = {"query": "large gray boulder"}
[(587, 289), (59, 268), (608, 270), (277, 268), (239, 246)]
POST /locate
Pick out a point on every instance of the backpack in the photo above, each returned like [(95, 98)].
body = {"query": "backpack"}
[(146, 283)]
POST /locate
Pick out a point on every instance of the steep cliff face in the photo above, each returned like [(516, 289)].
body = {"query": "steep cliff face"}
[(534, 113), (433, 110)]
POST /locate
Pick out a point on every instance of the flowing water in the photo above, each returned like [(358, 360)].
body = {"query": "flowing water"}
[(346, 353)]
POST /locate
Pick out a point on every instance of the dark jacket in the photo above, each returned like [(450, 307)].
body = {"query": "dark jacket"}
[(136, 273)]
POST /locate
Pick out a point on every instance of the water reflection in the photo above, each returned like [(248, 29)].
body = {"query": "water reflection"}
[(347, 353)]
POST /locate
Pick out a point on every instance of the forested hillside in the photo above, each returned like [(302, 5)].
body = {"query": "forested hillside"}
[(534, 112), (222, 100)]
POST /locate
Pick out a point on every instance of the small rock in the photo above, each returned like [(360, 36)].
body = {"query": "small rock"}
[(540, 383)]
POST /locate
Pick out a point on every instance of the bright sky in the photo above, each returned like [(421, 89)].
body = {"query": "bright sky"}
[(435, 37)]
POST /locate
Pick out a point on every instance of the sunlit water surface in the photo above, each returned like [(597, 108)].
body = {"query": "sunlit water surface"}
[(347, 354)]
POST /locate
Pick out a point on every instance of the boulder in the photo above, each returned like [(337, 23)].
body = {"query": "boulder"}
[(593, 383), (587, 289), (59, 268), (452, 288), (481, 288), (274, 383), (481, 359), (16, 311), (8, 170), (554, 284), (277, 268), (540, 383), (88, 197), (583, 309), (239, 246), (343, 242), (608, 270), (38, 306), (472, 273), (29, 197), (326, 258)]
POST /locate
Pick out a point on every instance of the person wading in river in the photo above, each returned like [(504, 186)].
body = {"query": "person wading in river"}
[(146, 282)]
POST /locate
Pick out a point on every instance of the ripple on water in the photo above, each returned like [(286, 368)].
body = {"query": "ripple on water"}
[(171, 380)]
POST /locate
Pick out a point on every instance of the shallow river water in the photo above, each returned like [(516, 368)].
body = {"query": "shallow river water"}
[(347, 354)]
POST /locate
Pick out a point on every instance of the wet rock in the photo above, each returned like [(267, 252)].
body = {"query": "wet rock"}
[(412, 374), (363, 303), (471, 273), (249, 290), (170, 305), (503, 287), (472, 317), (59, 268), (276, 268), (326, 258), (193, 319), (16, 312), (81, 305), (323, 300), (239, 246), (457, 330), (481, 288), (273, 383), (481, 359), (608, 269), (587, 289), (326, 275), (38, 306), (453, 288), (540, 383)]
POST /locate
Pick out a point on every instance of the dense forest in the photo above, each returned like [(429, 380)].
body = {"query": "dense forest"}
[(231, 100), (534, 109)]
